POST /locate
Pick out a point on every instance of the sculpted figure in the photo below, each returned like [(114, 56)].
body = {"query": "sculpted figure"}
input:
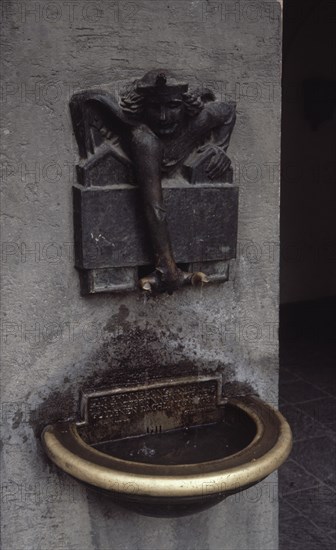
[(159, 123)]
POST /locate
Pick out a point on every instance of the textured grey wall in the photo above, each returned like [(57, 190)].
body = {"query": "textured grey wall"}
[(53, 340)]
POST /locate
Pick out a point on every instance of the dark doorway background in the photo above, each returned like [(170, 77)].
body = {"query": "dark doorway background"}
[(307, 481), (308, 196)]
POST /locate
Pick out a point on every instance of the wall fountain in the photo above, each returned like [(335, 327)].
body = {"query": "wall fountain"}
[(155, 181)]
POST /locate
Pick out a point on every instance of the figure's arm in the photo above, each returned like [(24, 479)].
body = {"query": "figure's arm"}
[(147, 155), (90, 107), (221, 117)]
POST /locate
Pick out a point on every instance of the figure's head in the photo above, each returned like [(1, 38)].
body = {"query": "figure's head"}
[(162, 101), (164, 113)]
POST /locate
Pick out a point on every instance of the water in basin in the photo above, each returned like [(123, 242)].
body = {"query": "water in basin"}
[(183, 446)]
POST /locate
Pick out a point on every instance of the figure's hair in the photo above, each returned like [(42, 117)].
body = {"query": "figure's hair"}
[(132, 103)]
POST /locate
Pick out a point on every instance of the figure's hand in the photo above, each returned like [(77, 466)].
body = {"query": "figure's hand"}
[(162, 280), (219, 161)]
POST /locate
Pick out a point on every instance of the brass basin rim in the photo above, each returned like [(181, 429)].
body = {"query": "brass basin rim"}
[(139, 484)]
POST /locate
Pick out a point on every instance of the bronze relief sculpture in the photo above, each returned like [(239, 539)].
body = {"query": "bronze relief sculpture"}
[(157, 129)]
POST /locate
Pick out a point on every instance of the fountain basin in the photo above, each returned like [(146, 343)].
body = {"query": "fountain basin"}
[(177, 465)]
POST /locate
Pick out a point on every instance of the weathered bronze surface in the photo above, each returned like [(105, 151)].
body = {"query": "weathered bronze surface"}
[(171, 143), (170, 447)]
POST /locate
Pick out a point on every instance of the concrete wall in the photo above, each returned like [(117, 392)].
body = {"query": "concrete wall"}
[(54, 341)]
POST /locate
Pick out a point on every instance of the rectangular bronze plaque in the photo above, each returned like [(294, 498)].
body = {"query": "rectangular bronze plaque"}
[(157, 407), (110, 229)]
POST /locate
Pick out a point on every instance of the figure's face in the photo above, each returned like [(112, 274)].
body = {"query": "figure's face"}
[(164, 114)]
